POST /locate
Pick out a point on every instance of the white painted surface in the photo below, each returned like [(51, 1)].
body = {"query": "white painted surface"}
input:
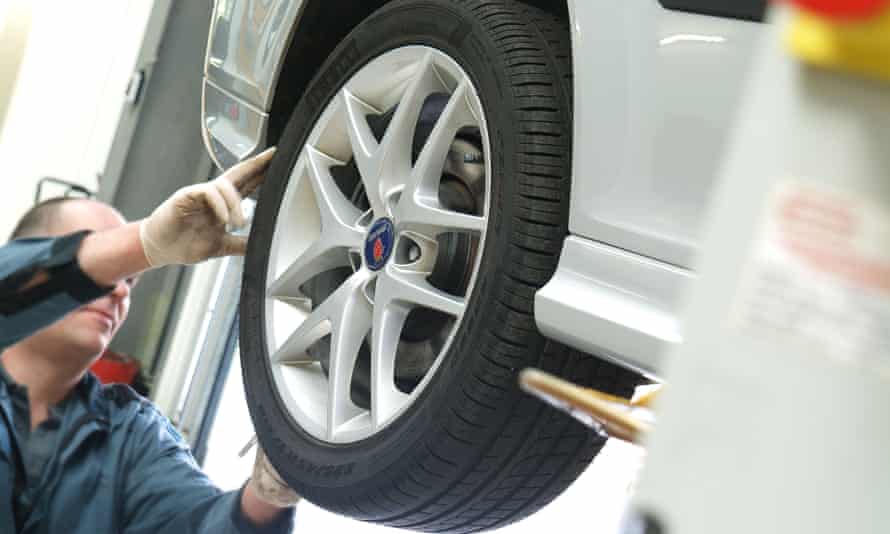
[(188, 336), (613, 303), (655, 94), (69, 95), (758, 432)]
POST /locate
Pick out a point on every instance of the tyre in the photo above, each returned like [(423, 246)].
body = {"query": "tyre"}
[(418, 200)]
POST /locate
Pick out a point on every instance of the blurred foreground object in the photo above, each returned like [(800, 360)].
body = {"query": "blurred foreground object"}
[(847, 35), (775, 419)]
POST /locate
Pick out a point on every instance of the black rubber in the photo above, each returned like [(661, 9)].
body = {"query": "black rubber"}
[(473, 452)]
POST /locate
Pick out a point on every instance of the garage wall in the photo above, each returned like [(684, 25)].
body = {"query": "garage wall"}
[(15, 23), (64, 104), (158, 149)]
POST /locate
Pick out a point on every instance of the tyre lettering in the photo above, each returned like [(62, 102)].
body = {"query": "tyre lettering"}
[(338, 71), (330, 471)]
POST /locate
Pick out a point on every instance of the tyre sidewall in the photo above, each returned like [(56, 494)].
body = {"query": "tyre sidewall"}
[(322, 471)]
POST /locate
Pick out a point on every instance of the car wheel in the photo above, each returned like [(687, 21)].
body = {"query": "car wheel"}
[(418, 200)]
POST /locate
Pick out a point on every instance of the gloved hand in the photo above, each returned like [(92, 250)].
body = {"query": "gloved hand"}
[(269, 485), (191, 226)]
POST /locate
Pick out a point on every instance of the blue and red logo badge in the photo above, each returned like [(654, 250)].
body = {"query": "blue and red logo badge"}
[(379, 243), (378, 250)]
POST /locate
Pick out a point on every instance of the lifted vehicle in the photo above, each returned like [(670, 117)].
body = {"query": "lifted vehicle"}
[(463, 188)]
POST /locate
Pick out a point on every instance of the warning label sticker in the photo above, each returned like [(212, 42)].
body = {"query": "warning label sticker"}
[(819, 275)]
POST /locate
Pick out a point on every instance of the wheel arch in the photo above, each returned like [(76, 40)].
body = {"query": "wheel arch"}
[(320, 29)]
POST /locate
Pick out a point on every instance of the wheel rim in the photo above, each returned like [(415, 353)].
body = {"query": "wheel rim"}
[(369, 288)]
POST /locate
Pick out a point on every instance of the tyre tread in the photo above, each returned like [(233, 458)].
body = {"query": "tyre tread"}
[(497, 455), (534, 471)]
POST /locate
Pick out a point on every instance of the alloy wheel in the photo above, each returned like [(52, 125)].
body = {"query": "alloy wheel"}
[(377, 244)]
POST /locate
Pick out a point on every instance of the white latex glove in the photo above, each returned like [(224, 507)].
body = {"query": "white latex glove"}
[(193, 225), (269, 485)]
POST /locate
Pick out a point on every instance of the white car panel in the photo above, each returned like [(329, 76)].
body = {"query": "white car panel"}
[(655, 93), (245, 53), (247, 45), (232, 129), (613, 303)]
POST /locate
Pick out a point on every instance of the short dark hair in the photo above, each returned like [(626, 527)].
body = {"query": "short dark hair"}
[(38, 220)]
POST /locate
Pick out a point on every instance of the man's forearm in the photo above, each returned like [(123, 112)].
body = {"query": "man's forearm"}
[(256, 510), (109, 256)]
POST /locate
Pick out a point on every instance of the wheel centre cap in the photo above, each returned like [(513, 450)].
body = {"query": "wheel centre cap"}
[(379, 243)]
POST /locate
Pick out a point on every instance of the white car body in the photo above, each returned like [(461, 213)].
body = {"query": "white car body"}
[(655, 95)]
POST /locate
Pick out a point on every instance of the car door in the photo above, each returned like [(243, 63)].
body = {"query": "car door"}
[(657, 84)]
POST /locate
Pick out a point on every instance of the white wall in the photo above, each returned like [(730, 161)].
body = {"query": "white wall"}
[(67, 99)]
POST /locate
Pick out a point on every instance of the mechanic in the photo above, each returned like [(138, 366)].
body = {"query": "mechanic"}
[(79, 457)]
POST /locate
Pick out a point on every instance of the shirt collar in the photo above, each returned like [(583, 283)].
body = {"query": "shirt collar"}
[(8, 382), (88, 389)]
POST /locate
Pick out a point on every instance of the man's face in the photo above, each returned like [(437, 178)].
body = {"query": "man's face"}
[(88, 330)]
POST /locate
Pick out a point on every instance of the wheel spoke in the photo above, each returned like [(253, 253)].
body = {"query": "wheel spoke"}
[(386, 399), (435, 220), (325, 319), (364, 144), (427, 172), (350, 327), (384, 166), (339, 217), (397, 143), (294, 349), (340, 231), (411, 288), (419, 207), (321, 256)]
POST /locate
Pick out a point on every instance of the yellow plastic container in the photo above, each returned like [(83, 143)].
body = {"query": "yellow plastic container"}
[(858, 46)]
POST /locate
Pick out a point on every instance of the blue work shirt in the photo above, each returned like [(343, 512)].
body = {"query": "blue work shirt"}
[(119, 466)]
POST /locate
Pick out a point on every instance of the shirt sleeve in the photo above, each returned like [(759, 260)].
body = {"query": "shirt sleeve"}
[(165, 491), (66, 288)]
